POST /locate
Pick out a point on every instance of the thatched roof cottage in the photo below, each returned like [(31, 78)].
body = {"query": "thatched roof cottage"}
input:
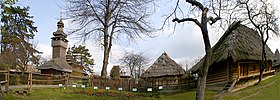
[(236, 56), (164, 71)]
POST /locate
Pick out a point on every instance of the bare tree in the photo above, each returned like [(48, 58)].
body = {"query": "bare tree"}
[(260, 14), (106, 20), (202, 9), (135, 62)]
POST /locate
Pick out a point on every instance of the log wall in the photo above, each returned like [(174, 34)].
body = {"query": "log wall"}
[(217, 73)]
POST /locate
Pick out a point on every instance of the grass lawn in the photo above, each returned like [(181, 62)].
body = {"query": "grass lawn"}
[(56, 94), (266, 90)]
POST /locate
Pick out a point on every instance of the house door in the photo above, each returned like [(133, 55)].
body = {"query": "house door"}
[(245, 70)]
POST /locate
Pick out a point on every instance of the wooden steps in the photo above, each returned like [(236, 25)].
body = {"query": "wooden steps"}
[(228, 87)]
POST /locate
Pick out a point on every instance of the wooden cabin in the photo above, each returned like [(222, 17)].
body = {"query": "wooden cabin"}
[(163, 72), (236, 57), (276, 64)]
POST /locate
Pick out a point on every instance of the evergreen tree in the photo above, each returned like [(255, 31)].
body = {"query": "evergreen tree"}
[(83, 57), (16, 32)]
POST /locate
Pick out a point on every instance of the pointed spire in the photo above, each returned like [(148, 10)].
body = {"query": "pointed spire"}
[(60, 25), (59, 32)]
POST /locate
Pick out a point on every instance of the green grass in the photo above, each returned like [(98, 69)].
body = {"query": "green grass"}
[(190, 95), (266, 90), (56, 94), (53, 94)]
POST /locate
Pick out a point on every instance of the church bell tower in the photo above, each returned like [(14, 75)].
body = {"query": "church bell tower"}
[(59, 42)]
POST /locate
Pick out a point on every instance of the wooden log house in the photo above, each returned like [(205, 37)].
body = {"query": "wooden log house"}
[(236, 56)]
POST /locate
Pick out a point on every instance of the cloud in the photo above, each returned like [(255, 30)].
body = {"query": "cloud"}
[(185, 45), (46, 49)]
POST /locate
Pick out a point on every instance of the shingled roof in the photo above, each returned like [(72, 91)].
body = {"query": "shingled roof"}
[(164, 66), (57, 64), (239, 42)]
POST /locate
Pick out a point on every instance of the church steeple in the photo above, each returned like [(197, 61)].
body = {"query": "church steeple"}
[(60, 25), (59, 42), (59, 32)]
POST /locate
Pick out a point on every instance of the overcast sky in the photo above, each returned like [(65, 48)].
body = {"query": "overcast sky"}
[(183, 46)]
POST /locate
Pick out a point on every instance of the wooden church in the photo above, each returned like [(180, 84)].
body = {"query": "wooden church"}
[(59, 65)]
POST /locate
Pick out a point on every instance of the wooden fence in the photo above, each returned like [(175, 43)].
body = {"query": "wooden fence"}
[(6, 81), (125, 84), (56, 79), (29, 79)]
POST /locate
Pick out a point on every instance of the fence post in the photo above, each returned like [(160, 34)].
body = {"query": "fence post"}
[(29, 86), (28, 81), (7, 80), (67, 80), (31, 81)]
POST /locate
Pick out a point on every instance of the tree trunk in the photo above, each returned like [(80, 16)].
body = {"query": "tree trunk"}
[(107, 41), (200, 92), (106, 53), (264, 59), (261, 75), (105, 63), (139, 72), (1, 93)]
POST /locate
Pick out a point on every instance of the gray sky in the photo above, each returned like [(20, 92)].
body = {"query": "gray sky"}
[(184, 45)]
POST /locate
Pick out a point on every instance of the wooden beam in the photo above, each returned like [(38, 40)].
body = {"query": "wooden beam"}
[(227, 71), (1, 82), (238, 70), (3, 71)]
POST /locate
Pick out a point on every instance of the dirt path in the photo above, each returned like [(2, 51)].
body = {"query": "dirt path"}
[(11, 87)]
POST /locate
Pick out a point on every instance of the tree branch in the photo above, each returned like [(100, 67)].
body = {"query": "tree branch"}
[(196, 3), (188, 19), (91, 6), (214, 20)]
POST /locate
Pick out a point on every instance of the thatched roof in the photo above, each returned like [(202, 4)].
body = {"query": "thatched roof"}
[(277, 55), (57, 64), (164, 66), (239, 42)]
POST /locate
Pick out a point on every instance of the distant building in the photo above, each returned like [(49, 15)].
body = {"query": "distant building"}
[(163, 72), (58, 65), (276, 64)]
